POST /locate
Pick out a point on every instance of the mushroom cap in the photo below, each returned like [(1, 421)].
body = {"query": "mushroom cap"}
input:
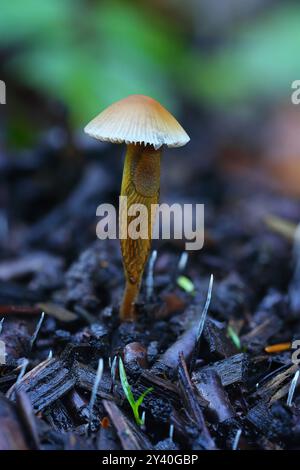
[(137, 119)]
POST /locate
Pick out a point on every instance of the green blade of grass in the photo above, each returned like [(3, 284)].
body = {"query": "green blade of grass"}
[(125, 384), (234, 337), (129, 395)]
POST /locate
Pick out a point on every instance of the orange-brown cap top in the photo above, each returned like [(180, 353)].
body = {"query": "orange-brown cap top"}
[(138, 119)]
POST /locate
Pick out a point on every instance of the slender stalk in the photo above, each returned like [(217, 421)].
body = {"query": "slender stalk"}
[(140, 184)]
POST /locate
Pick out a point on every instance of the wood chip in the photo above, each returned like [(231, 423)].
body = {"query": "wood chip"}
[(85, 379), (230, 370), (46, 383), (270, 424), (210, 389), (216, 337)]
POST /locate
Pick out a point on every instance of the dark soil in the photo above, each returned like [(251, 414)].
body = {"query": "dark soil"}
[(217, 392)]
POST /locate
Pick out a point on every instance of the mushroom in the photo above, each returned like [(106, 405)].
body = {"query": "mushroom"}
[(144, 125)]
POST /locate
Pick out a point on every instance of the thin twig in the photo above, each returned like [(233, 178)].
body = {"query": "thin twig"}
[(95, 390), (11, 391), (37, 330), (270, 375), (202, 323), (236, 439), (182, 261), (171, 432), (191, 401), (149, 279), (22, 371), (143, 419), (292, 389), (206, 307), (113, 370)]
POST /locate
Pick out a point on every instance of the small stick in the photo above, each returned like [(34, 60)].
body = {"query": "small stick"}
[(37, 330), (18, 310), (171, 432), (206, 307), (22, 371), (292, 389), (143, 418), (192, 403), (202, 322), (113, 370), (11, 392), (282, 226), (236, 439), (271, 374), (149, 279), (95, 390), (182, 262), (130, 439)]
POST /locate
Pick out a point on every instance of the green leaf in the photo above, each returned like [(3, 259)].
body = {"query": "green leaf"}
[(129, 395), (141, 398), (125, 384), (186, 284), (234, 337)]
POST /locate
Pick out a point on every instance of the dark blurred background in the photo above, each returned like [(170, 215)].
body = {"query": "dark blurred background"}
[(224, 68)]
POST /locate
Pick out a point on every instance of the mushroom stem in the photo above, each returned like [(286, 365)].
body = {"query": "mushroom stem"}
[(140, 184)]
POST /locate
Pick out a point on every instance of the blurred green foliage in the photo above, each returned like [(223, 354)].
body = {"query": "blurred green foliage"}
[(258, 61), (91, 53)]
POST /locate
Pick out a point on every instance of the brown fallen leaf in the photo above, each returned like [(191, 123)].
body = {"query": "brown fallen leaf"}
[(58, 312)]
